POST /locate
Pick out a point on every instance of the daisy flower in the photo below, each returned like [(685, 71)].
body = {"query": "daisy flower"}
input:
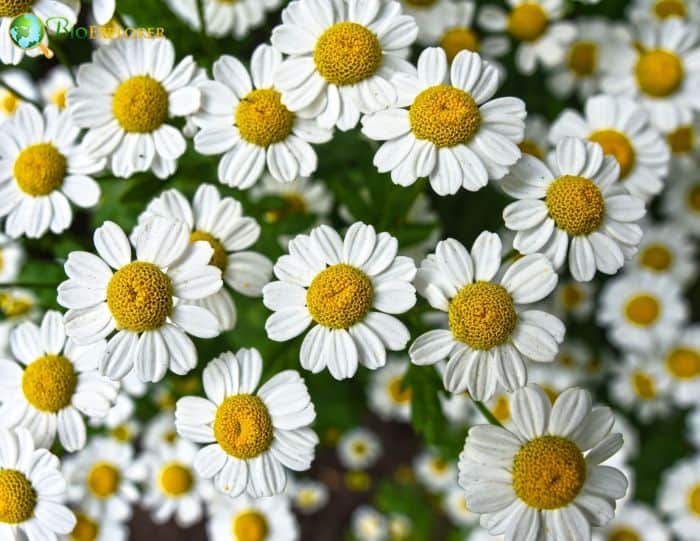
[(52, 383), (643, 312), (19, 81), (245, 120), (576, 357), (368, 524), (634, 521), (573, 299), (622, 128), (125, 99), (681, 361), (681, 201), (666, 250), (42, 168), (454, 504), (388, 397), (342, 56), (346, 288), (97, 528), (276, 420), (302, 196), (247, 519), (55, 86), (684, 142), (307, 495), (659, 70), (446, 127), (12, 257), (434, 472), (400, 527), (219, 221), (576, 197), (160, 431), (150, 302), (544, 475), (535, 25), (643, 12), (640, 385), (679, 498), (359, 449), (16, 305), (536, 139), (431, 16), (458, 408), (491, 332)]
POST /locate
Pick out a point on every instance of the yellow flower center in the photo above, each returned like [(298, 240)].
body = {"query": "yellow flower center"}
[(623, 534), (501, 408), (58, 98), (339, 296), (140, 297), (575, 204), (243, 426), (103, 480), (643, 385), (659, 72), (121, 433), (48, 383), (169, 436), (669, 8), (140, 104), (262, 119), (249, 525), (85, 529), (616, 144), (175, 479), (306, 497), (347, 53), (571, 296), (642, 310), (219, 258), (294, 204), (444, 115), (694, 499), (12, 8), (482, 315), (656, 257), (681, 140), (398, 392), (17, 497), (14, 307), (533, 149), (527, 21), (359, 448), (694, 198), (459, 39), (583, 58), (551, 393), (439, 465), (9, 103), (40, 169), (548, 472), (683, 363)]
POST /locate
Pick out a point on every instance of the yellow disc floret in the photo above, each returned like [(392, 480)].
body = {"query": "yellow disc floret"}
[(642, 310), (103, 480), (482, 315), (140, 104), (582, 58), (398, 392), (85, 529), (243, 426), (681, 140), (643, 385), (459, 39), (616, 144), (175, 479), (263, 119), (575, 204), (664, 9), (40, 169), (683, 363), (219, 258), (444, 115), (623, 534), (501, 408), (694, 500), (48, 383), (571, 296), (656, 257), (12, 8), (548, 472), (693, 198), (17, 497), (528, 146), (659, 72), (527, 21), (347, 53), (339, 296), (140, 297), (249, 525), (58, 98), (9, 102)]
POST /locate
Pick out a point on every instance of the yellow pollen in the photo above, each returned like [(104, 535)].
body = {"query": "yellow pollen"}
[(48, 383), (459, 39), (14, 307), (548, 472), (9, 103), (339, 296), (643, 385), (664, 9), (444, 115), (575, 204), (294, 204), (219, 258), (103, 480), (347, 53), (571, 296), (659, 72), (140, 297), (694, 499), (623, 534), (694, 198), (681, 140), (58, 98), (12, 8), (121, 433), (359, 447), (566, 360), (175, 480), (482, 315), (656, 257), (439, 465), (40, 169), (399, 393), (249, 525), (583, 58), (527, 21), (140, 104), (683, 363), (616, 144), (306, 498), (533, 149), (170, 436), (262, 119), (642, 310), (17, 497), (243, 426), (85, 529)]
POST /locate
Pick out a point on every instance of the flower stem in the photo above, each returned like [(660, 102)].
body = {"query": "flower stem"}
[(487, 413)]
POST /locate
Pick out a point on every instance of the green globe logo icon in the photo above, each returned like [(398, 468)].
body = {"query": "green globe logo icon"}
[(27, 31)]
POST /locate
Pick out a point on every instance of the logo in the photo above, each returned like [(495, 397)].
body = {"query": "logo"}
[(28, 32)]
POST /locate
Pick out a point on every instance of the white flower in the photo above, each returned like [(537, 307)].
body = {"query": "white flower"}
[(459, 409), (666, 250), (643, 12), (150, 301), (435, 472), (491, 332), (52, 383), (96, 527), (308, 495), (303, 196), (247, 519), (125, 98), (368, 524), (19, 81), (681, 201), (455, 506), (681, 362), (12, 257), (41, 169), (342, 56), (573, 299), (637, 521), (346, 288), (640, 385), (276, 420), (576, 197), (679, 498), (359, 449), (160, 431), (387, 396), (545, 475), (55, 86), (445, 125), (684, 142), (103, 10), (219, 221), (536, 139), (432, 17)]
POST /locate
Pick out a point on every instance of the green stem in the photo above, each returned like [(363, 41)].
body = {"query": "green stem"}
[(206, 39), (21, 96), (487, 413)]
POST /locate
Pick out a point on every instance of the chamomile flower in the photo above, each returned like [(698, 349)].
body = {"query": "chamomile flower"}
[(577, 197), (649, 11), (432, 17), (684, 142), (342, 57), (126, 97), (400, 527), (665, 250), (160, 431), (643, 312), (304, 196), (536, 28), (244, 119), (659, 71), (544, 475), (151, 302), (622, 128), (536, 139), (446, 127), (32, 490), (276, 421), (359, 449), (640, 385), (55, 86), (681, 201), (16, 306), (553, 378), (458, 408), (573, 299), (368, 524), (52, 383), (346, 289), (679, 498), (455, 506), (12, 256), (22, 84), (634, 521), (388, 396), (43, 168), (247, 519), (308, 495), (576, 357), (96, 527), (681, 362), (491, 332), (219, 221), (434, 471)]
